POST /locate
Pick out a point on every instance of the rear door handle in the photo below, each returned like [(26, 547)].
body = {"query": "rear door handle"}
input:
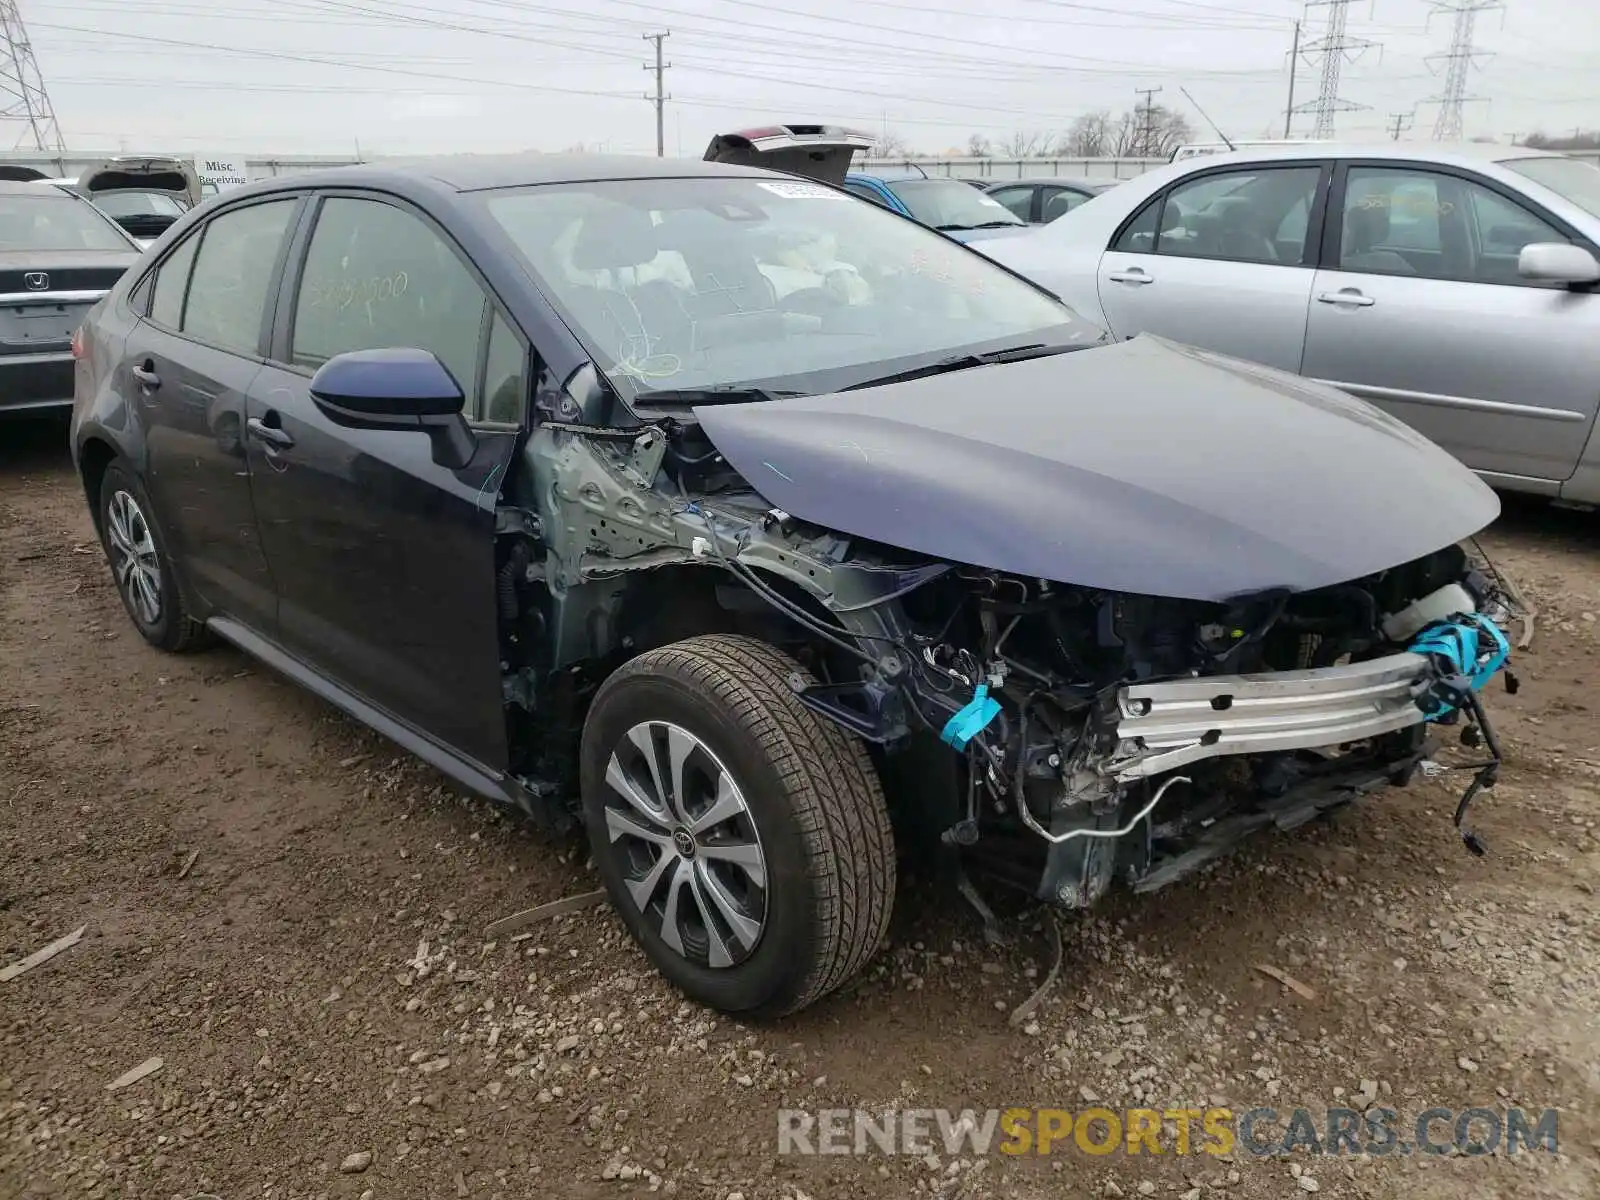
[(269, 434), (1131, 275), (145, 373), (1349, 296)]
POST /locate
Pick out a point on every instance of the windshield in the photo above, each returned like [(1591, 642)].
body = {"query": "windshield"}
[(951, 204), (1570, 178), (139, 204), (55, 223), (787, 284)]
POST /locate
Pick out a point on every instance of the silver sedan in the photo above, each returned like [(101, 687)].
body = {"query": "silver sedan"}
[(1454, 286)]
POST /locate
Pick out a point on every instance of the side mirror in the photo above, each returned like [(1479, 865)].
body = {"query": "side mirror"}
[(401, 388), (1557, 262)]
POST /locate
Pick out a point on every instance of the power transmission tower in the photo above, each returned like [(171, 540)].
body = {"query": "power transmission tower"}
[(1334, 48), (22, 94), (660, 98), (1399, 123), (1147, 124), (1459, 59)]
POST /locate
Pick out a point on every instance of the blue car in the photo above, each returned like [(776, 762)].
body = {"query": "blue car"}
[(824, 153)]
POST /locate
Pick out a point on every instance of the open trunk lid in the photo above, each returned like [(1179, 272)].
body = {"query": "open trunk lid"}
[(143, 173), (821, 152)]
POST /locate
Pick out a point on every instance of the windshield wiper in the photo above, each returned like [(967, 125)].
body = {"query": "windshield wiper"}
[(962, 362), (717, 394), (997, 225)]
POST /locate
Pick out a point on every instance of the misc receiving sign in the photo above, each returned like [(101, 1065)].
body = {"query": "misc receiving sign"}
[(220, 174)]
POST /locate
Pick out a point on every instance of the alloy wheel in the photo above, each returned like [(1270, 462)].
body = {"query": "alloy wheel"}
[(690, 852), (134, 560)]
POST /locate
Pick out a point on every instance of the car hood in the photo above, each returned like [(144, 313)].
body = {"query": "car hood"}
[(1140, 466)]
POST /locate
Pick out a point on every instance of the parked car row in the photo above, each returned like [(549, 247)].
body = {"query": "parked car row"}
[(142, 193), (765, 535)]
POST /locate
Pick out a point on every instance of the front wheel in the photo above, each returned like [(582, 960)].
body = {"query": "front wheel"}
[(743, 839)]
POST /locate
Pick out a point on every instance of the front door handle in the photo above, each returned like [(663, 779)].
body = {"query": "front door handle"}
[(1347, 296), (1131, 275), (145, 373), (270, 434)]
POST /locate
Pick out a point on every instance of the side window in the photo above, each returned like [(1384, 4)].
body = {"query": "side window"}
[(171, 284), (1058, 202), (505, 375), (1402, 222), (1018, 199), (233, 273), (1502, 228), (1238, 215), (378, 277), (1139, 234), (867, 193)]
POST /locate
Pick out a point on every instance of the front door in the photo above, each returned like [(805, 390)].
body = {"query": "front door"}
[(384, 559), (1420, 310), (188, 365), (1220, 261)]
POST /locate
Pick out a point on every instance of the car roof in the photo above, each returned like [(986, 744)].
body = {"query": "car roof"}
[(481, 172), (1464, 154), (903, 177), (1045, 180), (29, 187)]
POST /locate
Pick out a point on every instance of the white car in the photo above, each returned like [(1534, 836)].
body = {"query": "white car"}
[(1454, 286)]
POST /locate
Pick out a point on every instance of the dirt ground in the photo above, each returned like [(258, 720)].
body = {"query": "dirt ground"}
[(333, 1021)]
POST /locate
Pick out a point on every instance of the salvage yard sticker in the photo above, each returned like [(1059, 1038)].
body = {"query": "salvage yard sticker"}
[(802, 191)]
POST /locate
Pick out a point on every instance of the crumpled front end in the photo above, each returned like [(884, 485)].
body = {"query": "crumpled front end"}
[(1156, 776)]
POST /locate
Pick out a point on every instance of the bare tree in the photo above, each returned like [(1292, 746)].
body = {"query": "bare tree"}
[(889, 145), (1577, 140), (1149, 133), (977, 146), (1089, 137), (1022, 144)]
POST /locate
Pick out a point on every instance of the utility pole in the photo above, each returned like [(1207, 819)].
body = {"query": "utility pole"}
[(1459, 60), (1334, 49), (1294, 63), (1147, 127), (1400, 122), (660, 98), (22, 93)]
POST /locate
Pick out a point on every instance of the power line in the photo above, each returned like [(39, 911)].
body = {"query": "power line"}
[(1459, 59), (1334, 48), (660, 98), (1400, 123), (22, 92)]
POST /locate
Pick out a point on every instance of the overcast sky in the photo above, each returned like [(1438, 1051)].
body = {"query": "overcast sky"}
[(243, 77)]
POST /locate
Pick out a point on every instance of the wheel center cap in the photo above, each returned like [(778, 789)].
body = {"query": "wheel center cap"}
[(683, 841)]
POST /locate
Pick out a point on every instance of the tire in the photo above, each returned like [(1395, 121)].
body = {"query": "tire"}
[(127, 521), (822, 887)]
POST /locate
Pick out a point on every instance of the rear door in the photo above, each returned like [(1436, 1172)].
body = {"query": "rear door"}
[(186, 368), (1420, 309), (1222, 260), (383, 559)]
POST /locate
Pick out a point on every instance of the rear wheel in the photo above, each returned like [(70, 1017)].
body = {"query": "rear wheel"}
[(743, 839), (137, 553)]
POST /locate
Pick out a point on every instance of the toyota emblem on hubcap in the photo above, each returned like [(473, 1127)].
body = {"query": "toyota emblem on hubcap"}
[(683, 842)]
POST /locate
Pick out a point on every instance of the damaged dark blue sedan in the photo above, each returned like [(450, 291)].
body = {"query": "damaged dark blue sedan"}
[(766, 536)]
